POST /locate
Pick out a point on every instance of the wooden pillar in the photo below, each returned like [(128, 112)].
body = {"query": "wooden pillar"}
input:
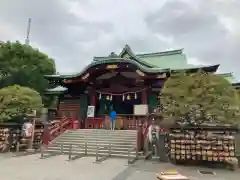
[(144, 97), (93, 98)]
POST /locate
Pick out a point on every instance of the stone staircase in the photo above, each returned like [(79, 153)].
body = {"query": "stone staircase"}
[(97, 142)]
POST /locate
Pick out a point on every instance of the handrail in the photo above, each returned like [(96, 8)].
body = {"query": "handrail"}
[(79, 145), (55, 128), (69, 150), (131, 149), (133, 115), (42, 151), (103, 147)]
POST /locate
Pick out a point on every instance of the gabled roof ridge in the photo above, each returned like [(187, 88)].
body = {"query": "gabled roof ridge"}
[(162, 53), (100, 57), (128, 49)]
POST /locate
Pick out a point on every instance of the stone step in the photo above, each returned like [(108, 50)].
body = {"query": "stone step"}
[(92, 144), (92, 150), (100, 153), (98, 135), (102, 130), (101, 133), (99, 141), (123, 142), (91, 147), (94, 138)]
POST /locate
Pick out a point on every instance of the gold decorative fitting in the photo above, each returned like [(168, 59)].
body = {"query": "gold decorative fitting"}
[(160, 76), (108, 98), (85, 76), (128, 97), (140, 73), (126, 56), (67, 81), (112, 66)]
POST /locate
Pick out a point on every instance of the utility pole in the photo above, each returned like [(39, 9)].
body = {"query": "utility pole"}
[(28, 31)]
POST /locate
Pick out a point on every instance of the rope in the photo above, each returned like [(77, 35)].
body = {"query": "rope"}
[(120, 94)]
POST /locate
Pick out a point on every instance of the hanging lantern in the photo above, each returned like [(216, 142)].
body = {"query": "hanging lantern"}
[(128, 97), (135, 96), (123, 97), (107, 97), (111, 98), (100, 96)]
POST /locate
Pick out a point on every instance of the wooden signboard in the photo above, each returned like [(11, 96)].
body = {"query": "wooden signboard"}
[(141, 109), (91, 111)]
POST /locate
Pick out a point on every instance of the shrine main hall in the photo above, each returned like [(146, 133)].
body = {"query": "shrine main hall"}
[(127, 82)]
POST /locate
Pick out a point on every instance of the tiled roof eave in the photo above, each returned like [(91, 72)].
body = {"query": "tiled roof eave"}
[(57, 89), (109, 61), (164, 53), (213, 67), (236, 84), (53, 93)]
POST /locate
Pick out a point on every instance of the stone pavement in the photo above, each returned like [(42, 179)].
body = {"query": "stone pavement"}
[(147, 170), (59, 168)]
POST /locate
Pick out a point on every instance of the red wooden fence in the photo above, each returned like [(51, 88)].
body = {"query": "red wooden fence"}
[(55, 128)]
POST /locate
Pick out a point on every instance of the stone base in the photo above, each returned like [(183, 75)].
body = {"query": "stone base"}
[(31, 150)]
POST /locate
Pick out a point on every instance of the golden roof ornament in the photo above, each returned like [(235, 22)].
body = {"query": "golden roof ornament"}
[(161, 76), (126, 56)]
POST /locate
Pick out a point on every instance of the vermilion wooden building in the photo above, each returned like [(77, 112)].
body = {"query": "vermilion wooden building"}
[(118, 81)]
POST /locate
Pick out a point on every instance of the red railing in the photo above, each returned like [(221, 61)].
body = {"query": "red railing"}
[(123, 122), (95, 123), (55, 128)]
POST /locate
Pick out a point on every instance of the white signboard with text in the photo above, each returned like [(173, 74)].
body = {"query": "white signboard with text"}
[(141, 109), (91, 111)]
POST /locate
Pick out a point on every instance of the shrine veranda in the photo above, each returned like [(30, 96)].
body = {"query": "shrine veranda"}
[(127, 82)]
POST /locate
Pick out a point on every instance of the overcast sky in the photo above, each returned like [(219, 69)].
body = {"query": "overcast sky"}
[(73, 31)]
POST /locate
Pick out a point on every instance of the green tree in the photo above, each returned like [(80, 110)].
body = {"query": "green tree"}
[(21, 64), (16, 102), (198, 98)]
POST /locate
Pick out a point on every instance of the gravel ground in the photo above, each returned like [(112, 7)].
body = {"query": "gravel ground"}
[(59, 168)]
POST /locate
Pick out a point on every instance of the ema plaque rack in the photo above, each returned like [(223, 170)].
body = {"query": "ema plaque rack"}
[(202, 145)]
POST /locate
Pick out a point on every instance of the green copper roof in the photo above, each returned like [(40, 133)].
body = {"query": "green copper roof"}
[(173, 60), (166, 59)]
